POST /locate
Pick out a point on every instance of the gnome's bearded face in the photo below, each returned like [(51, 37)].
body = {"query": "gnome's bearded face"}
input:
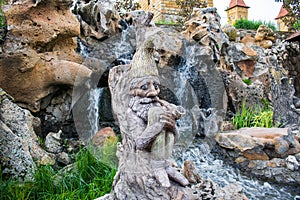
[(144, 87)]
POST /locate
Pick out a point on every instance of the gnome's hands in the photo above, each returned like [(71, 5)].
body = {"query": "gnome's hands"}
[(169, 123)]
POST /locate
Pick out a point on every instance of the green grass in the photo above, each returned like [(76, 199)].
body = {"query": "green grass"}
[(88, 178), (252, 25), (164, 22), (253, 117)]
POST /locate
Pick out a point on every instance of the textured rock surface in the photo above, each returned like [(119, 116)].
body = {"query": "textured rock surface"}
[(98, 19), (39, 51), (18, 141), (266, 152), (204, 28), (265, 36), (239, 92), (230, 31)]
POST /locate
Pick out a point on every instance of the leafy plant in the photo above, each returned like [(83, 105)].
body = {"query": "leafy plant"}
[(297, 25), (253, 117), (252, 25), (247, 81), (88, 178)]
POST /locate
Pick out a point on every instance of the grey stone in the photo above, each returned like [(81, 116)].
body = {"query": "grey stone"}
[(19, 143)]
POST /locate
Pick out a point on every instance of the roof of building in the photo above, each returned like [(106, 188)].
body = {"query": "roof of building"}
[(234, 3), (283, 12), (294, 37)]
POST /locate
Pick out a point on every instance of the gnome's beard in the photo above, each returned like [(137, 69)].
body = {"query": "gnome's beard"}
[(141, 106)]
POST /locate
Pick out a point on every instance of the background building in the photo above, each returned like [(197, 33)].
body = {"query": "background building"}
[(280, 24), (236, 10), (166, 10)]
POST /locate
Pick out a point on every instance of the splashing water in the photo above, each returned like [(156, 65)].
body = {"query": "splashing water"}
[(210, 167)]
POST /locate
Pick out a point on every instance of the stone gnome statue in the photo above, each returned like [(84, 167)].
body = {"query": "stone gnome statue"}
[(148, 129)]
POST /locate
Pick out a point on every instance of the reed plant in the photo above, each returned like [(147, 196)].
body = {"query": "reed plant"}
[(253, 117)]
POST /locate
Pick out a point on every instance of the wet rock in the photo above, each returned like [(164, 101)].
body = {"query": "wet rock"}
[(19, 147), (55, 113)]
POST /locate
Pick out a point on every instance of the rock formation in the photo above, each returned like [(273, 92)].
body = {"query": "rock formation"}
[(39, 51), (265, 152), (19, 149)]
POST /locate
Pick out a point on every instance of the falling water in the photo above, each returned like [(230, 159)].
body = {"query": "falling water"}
[(93, 110), (124, 49)]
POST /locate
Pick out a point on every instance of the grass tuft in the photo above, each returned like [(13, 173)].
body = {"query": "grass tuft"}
[(88, 178), (253, 117)]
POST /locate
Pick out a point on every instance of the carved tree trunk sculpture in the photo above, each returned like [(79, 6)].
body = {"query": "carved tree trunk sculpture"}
[(141, 173)]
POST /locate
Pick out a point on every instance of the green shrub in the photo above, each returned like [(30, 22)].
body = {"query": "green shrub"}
[(88, 178), (252, 25), (253, 117)]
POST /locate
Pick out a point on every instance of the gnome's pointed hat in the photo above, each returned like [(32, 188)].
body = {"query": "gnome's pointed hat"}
[(143, 63)]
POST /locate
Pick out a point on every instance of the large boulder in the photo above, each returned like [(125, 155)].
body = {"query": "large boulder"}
[(19, 148), (39, 51)]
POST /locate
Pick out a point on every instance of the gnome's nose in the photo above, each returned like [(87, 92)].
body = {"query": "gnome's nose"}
[(152, 91)]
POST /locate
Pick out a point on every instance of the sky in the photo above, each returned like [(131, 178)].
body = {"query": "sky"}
[(264, 10)]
